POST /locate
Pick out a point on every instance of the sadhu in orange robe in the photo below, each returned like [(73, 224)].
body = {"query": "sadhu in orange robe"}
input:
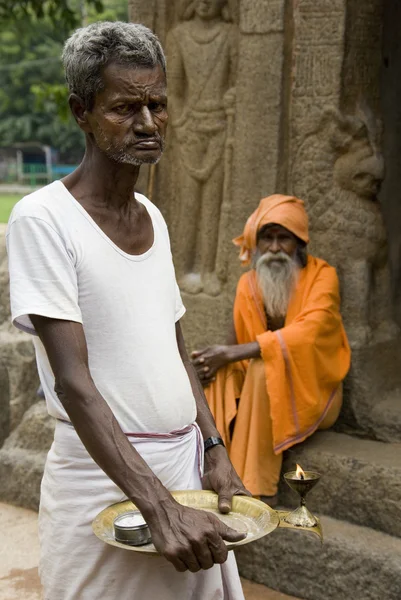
[(295, 388)]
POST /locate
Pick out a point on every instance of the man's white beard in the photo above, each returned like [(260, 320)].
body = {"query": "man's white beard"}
[(277, 276)]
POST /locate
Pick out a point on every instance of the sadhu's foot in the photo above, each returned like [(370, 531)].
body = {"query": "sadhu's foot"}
[(272, 501)]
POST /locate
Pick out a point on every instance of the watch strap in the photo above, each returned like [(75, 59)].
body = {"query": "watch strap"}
[(213, 441)]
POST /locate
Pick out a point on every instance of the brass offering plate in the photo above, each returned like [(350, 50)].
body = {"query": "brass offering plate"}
[(248, 515)]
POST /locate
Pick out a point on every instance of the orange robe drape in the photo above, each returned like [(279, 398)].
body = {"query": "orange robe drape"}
[(298, 387)]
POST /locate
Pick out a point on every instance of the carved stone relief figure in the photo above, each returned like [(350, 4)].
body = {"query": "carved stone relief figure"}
[(338, 170), (201, 51)]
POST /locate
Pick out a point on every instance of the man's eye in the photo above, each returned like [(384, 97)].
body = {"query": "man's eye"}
[(157, 106), (123, 109)]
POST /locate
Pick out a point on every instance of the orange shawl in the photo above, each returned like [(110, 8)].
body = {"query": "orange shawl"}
[(306, 360)]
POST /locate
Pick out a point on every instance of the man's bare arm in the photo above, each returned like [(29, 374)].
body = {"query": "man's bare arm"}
[(188, 538), (91, 416), (220, 475)]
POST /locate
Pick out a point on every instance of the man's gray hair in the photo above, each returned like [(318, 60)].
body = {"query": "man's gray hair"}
[(91, 48)]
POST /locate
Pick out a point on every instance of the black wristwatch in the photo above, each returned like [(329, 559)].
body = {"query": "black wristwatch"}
[(213, 441)]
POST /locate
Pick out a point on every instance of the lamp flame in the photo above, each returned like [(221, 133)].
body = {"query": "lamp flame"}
[(300, 473)]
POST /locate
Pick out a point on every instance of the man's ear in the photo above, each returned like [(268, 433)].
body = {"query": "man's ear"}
[(79, 112)]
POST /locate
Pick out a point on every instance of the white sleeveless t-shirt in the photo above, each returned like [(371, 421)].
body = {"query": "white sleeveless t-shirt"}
[(63, 266)]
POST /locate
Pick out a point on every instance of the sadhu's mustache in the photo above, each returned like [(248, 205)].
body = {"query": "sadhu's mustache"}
[(268, 257)]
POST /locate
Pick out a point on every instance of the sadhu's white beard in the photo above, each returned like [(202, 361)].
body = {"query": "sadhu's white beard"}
[(277, 276)]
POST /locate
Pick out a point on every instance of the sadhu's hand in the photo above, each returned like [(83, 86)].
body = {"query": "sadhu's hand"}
[(221, 477), (208, 361), (190, 539)]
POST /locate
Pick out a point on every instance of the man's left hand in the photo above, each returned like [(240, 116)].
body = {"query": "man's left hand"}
[(221, 477)]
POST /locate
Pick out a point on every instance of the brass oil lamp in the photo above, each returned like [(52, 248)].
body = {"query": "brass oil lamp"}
[(301, 482)]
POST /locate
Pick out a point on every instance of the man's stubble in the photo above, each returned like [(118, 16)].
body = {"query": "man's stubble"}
[(121, 154)]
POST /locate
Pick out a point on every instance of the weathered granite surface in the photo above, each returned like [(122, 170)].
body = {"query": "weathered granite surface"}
[(23, 456), (361, 479), (16, 350), (300, 112), (353, 562), (4, 404)]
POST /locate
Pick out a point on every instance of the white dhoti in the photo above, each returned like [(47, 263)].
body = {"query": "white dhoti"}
[(76, 565)]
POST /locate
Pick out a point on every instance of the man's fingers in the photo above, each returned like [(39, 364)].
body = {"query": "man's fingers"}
[(218, 550), (225, 503), (198, 361), (204, 556), (231, 535), (179, 565), (182, 557)]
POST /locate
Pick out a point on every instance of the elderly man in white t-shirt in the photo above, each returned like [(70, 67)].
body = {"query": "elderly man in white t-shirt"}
[(92, 278)]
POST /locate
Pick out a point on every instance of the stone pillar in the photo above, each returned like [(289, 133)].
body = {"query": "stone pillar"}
[(258, 114), (251, 153)]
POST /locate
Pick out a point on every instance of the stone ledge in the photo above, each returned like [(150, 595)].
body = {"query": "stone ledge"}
[(353, 562), (361, 479)]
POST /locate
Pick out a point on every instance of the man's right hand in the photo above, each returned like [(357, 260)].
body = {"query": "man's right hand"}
[(190, 539)]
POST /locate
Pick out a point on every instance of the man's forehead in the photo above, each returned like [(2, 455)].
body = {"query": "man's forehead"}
[(124, 80), (273, 228)]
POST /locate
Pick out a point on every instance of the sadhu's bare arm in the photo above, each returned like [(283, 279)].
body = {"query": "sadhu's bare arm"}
[(209, 360)]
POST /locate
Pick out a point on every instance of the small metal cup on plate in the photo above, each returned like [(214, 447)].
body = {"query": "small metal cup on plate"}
[(131, 528)]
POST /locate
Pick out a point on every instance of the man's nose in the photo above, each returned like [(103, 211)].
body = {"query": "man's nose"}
[(145, 124), (275, 246)]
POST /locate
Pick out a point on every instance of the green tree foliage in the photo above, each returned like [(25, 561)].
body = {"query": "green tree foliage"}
[(33, 95), (58, 11)]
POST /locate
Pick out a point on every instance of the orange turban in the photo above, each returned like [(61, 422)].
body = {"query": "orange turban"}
[(287, 211)]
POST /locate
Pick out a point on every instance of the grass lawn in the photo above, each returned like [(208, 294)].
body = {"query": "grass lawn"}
[(7, 202)]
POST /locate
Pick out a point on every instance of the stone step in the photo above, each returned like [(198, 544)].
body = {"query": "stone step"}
[(361, 479), (353, 562)]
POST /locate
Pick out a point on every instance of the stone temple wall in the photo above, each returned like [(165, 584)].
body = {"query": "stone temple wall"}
[(281, 96), (291, 96)]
